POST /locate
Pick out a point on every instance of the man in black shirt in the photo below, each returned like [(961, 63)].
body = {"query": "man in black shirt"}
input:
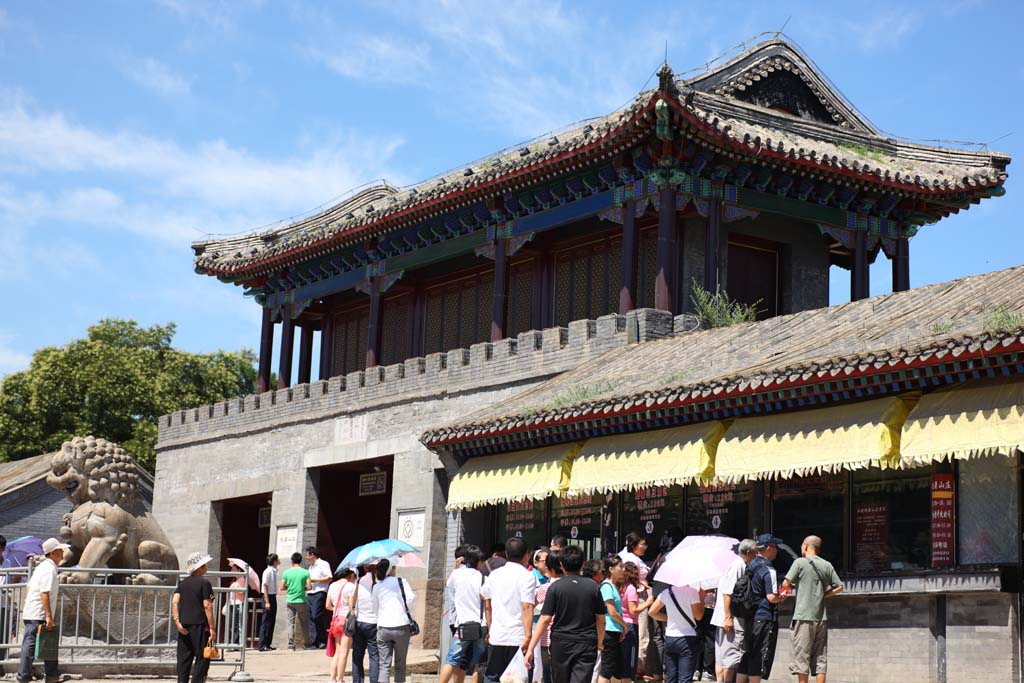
[(575, 606), (192, 607)]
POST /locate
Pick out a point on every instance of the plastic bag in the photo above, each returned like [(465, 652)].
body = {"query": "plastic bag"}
[(538, 668), (516, 671)]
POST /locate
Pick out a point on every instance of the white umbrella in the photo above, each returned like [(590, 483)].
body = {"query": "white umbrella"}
[(699, 561)]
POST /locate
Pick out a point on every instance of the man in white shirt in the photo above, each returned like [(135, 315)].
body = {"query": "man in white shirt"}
[(730, 632), (464, 586), (509, 595), (320, 581), (269, 602), (41, 600)]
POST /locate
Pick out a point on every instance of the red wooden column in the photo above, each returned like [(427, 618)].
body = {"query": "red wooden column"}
[(860, 276), (901, 265), (712, 247), (326, 347), (305, 352), (373, 327), (284, 366), (664, 284), (499, 310), (630, 253), (266, 351)]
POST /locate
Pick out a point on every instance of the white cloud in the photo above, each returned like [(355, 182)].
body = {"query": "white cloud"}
[(156, 76), (375, 59), (884, 30), (177, 191), (11, 360)]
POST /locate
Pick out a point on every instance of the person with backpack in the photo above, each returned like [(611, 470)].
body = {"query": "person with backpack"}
[(816, 580), (732, 612), (763, 632), (680, 607)]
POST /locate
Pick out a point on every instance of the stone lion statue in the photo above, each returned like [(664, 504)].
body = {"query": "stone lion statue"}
[(108, 526)]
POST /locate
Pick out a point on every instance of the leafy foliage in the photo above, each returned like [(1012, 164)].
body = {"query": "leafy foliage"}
[(943, 326), (718, 310), (115, 383)]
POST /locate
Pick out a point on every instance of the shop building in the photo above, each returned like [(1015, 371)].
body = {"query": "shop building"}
[(433, 301), (891, 427)]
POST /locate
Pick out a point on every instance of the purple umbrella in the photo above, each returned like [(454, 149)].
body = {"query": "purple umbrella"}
[(20, 549)]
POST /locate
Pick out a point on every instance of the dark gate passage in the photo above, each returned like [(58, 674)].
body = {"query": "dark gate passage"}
[(355, 505), (243, 533)]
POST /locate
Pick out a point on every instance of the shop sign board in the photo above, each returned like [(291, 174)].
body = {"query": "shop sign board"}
[(373, 483), (871, 536), (523, 517), (943, 520)]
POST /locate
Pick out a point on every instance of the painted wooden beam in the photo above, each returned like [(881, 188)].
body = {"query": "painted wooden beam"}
[(664, 282), (499, 308), (266, 351), (630, 253), (326, 348), (284, 365), (305, 352)]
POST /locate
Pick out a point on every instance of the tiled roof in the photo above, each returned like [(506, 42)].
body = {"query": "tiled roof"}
[(851, 149), (930, 322), (14, 475)]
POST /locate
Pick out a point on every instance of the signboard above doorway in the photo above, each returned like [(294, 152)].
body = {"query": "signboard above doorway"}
[(373, 483)]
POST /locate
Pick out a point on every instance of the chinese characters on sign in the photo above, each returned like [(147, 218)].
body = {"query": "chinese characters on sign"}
[(871, 536), (942, 520), (522, 517), (373, 483), (579, 511)]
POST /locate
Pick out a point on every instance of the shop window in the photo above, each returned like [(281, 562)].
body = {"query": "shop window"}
[(651, 512), (721, 509), (891, 519), (523, 519), (579, 519), (988, 515), (805, 506)]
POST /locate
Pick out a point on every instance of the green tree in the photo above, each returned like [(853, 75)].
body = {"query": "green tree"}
[(115, 383)]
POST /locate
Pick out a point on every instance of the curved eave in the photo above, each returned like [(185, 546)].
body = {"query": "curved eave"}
[(866, 366), (436, 205)]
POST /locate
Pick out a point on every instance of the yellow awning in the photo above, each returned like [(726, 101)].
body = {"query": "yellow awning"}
[(493, 479), (979, 419), (658, 458), (849, 436)]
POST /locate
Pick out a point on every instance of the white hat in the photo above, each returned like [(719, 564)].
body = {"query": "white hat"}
[(195, 561), (51, 544)]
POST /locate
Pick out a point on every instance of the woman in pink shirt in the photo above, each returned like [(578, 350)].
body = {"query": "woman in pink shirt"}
[(553, 571), (632, 608), (340, 597)]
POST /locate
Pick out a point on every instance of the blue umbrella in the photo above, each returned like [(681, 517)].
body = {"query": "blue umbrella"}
[(18, 551), (373, 552)]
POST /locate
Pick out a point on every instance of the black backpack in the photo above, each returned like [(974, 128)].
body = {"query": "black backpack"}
[(744, 604)]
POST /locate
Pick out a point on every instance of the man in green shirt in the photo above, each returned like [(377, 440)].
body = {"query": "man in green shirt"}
[(815, 579), (295, 582)]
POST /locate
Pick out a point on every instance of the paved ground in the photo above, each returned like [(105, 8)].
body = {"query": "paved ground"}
[(282, 666)]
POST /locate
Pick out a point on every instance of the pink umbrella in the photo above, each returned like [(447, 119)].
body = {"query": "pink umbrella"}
[(407, 560), (254, 579), (699, 561)]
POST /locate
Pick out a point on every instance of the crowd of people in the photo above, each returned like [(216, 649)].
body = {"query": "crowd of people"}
[(572, 620), (610, 621)]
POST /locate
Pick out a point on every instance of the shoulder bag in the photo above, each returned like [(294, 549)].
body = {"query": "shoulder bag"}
[(353, 614), (679, 607), (826, 587), (414, 628), (472, 630)]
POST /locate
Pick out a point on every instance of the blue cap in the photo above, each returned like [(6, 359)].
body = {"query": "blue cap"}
[(765, 540)]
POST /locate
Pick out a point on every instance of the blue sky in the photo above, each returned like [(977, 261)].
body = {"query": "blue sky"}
[(129, 129)]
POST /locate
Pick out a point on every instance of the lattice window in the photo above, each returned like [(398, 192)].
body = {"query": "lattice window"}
[(459, 314), (520, 292), (394, 343), (350, 341), (587, 280)]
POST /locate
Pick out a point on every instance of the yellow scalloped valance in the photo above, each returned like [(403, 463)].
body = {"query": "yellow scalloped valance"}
[(493, 479)]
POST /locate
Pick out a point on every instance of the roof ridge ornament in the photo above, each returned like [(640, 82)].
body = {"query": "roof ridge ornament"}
[(667, 81)]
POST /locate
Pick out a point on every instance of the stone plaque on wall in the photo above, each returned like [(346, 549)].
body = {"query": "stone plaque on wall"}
[(350, 429), (410, 527), (287, 541)]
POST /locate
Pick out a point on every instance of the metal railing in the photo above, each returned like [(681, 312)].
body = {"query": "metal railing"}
[(111, 621)]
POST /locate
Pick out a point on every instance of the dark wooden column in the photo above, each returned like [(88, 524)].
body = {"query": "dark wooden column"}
[(860, 276), (712, 247), (373, 327), (284, 366), (305, 353), (630, 251), (901, 265), (664, 284), (499, 309), (417, 314), (326, 347), (266, 351)]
